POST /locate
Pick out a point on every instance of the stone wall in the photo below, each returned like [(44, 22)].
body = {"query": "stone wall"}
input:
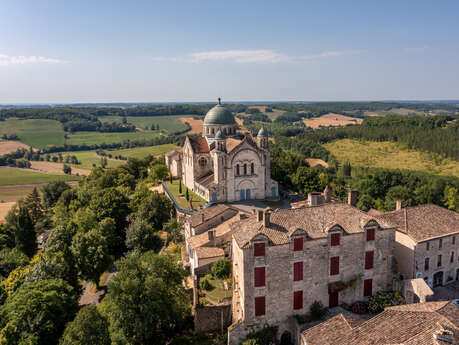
[(212, 318), (404, 254)]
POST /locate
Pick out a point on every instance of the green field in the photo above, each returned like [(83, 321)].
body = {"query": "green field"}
[(171, 124), (141, 152), (97, 138), (88, 158), (15, 176), (37, 133), (180, 198), (390, 155)]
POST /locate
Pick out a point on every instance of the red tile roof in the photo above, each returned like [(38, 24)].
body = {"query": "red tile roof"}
[(199, 144)]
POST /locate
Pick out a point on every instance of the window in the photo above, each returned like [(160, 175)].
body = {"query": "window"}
[(371, 234), (202, 162), (427, 245), (335, 239), (298, 244), (367, 287), (454, 239), (260, 276), (334, 265), (213, 131), (297, 300), (245, 169), (237, 170), (451, 259), (260, 306), (440, 243), (439, 261), (259, 249), (426, 264), (369, 256), (252, 168), (297, 271)]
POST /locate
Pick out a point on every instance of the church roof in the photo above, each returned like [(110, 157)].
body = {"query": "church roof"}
[(199, 144), (219, 115)]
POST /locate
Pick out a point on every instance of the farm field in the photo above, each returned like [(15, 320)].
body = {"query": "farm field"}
[(272, 115), (389, 155), (4, 209), (37, 133), (97, 138), (196, 125), (88, 158), (56, 168), (15, 176), (169, 123), (141, 152), (331, 120), (8, 146)]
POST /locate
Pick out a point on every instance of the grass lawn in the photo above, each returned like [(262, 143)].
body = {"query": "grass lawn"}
[(98, 138), (218, 292), (141, 152), (169, 123), (37, 133), (15, 176), (391, 156), (180, 199)]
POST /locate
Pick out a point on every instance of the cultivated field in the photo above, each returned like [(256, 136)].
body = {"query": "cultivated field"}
[(4, 208), (316, 161), (331, 120), (389, 155), (37, 133), (15, 176), (56, 168), (97, 138), (272, 115), (8, 146), (89, 159), (141, 152), (170, 124), (196, 125)]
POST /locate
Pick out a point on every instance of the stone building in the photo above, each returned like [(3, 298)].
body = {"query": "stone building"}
[(222, 165), (426, 242), (431, 323), (284, 260)]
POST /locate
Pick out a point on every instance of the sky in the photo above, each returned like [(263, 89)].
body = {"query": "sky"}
[(193, 51)]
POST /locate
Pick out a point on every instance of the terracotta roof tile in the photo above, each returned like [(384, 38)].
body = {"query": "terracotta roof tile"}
[(209, 213), (207, 181), (199, 144), (209, 252), (231, 143)]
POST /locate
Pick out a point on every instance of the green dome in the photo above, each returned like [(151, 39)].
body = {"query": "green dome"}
[(262, 133), (219, 115)]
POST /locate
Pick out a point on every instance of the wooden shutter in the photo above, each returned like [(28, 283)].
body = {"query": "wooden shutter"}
[(371, 234), (297, 299), (298, 244), (260, 276), (259, 249), (369, 256), (367, 287), (333, 299), (260, 306), (334, 265), (335, 239), (298, 271)]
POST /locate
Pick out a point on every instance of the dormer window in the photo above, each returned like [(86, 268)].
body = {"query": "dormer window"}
[(298, 244), (335, 239)]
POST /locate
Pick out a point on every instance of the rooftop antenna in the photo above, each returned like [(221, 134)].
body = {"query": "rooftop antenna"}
[(219, 100)]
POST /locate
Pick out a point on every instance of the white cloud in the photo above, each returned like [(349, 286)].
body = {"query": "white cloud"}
[(6, 60), (254, 56)]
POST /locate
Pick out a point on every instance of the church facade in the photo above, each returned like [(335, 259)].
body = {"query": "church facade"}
[(223, 165)]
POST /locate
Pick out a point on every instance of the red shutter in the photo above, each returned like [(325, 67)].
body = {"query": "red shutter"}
[(335, 239), (260, 306), (297, 299), (369, 256), (333, 299), (259, 249), (298, 244), (367, 287), (298, 271), (371, 234), (334, 265), (260, 275)]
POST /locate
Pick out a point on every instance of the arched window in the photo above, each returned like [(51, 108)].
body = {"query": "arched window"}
[(202, 162), (245, 169), (252, 168), (237, 170), (213, 131)]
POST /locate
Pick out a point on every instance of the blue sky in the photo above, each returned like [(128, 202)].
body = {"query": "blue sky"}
[(133, 51)]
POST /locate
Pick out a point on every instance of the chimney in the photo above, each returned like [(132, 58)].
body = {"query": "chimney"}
[(314, 198), (327, 193), (352, 197), (266, 216), (444, 335), (211, 237), (259, 215), (398, 205)]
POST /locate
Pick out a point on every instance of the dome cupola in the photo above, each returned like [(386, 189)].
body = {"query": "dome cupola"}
[(219, 115)]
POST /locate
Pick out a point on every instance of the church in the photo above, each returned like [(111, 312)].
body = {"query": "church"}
[(224, 165)]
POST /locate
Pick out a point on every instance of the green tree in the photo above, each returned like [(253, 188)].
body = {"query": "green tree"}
[(187, 194), (23, 228), (365, 202), (308, 180), (10, 259), (52, 191), (451, 197), (158, 172), (221, 268), (6, 236), (88, 328), (174, 231), (32, 203), (67, 169), (180, 187), (141, 237), (155, 208), (397, 193), (146, 302), (36, 313)]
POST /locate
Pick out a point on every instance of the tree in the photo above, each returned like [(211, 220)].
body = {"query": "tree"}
[(153, 207), (221, 268), (146, 302), (67, 169), (307, 180), (32, 203), (36, 313), (397, 193), (187, 194), (52, 191), (141, 237), (180, 187), (6, 236), (158, 172), (23, 228), (174, 230), (10, 259), (365, 203), (88, 328), (451, 197)]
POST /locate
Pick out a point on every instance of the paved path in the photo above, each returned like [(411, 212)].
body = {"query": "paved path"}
[(88, 298), (447, 292)]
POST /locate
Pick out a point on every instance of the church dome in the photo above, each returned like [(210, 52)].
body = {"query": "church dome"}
[(262, 133), (219, 115)]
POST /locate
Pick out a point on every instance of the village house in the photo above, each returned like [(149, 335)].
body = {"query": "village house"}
[(284, 260), (431, 323), (426, 242)]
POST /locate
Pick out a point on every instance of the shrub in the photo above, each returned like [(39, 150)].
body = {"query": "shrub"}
[(204, 284), (317, 310), (359, 308), (265, 336), (221, 268), (208, 276), (383, 299)]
